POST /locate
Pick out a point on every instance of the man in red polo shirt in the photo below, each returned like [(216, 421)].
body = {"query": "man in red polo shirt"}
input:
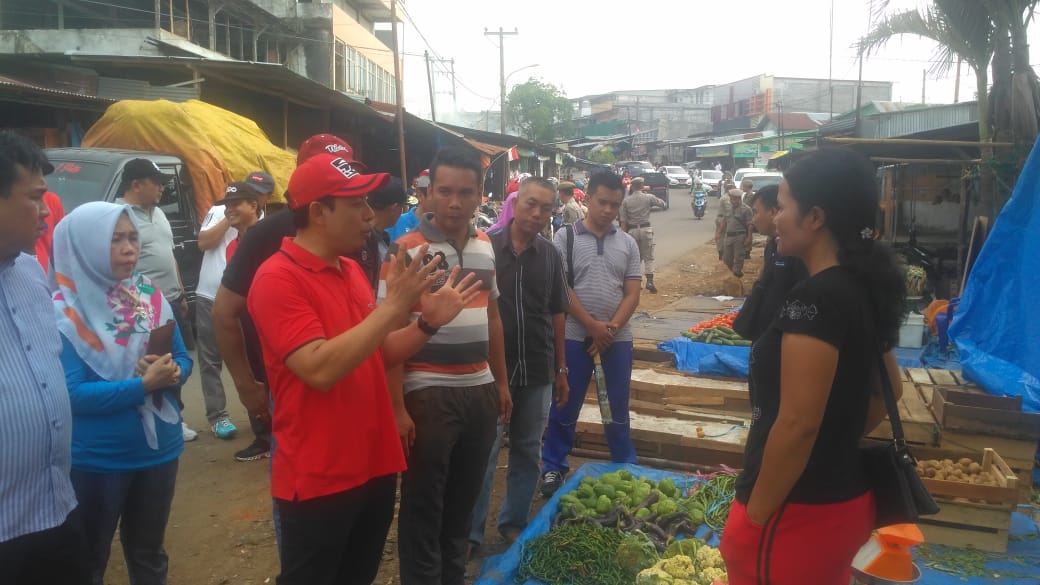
[(334, 472)]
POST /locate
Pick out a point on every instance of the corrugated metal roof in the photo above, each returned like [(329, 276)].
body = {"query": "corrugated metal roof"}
[(135, 89), (31, 93), (924, 120)]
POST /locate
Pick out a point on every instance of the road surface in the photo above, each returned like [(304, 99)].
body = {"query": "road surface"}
[(676, 231)]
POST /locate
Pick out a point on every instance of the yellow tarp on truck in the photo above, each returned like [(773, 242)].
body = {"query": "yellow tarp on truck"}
[(218, 146)]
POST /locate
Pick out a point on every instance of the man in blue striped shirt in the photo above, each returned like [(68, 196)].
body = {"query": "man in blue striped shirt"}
[(40, 537)]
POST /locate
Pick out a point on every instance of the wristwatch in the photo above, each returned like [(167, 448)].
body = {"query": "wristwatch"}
[(426, 327), (564, 370)]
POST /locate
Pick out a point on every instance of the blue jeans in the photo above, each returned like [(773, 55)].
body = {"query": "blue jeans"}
[(139, 502), (530, 409), (559, 434)]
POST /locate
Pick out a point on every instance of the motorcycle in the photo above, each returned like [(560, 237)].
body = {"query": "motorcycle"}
[(486, 217), (699, 204)]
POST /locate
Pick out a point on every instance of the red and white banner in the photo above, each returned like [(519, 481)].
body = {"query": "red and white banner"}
[(514, 153)]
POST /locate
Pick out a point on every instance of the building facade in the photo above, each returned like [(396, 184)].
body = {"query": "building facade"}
[(665, 113), (741, 105), (332, 42)]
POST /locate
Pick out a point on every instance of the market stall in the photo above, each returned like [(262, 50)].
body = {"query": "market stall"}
[(699, 500)]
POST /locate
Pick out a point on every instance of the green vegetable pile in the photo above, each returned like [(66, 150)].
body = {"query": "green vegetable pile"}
[(576, 554), (639, 505), (620, 501), (586, 553), (715, 497), (719, 335)]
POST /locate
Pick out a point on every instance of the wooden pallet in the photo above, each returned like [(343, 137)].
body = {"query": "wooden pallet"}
[(674, 388), (936, 377), (919, 425), (670, 438)]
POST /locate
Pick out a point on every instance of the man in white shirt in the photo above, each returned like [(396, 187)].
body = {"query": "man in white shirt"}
[(214, 238)]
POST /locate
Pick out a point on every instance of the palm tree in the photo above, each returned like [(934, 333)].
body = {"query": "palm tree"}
[(962, 29), (1016, 90)]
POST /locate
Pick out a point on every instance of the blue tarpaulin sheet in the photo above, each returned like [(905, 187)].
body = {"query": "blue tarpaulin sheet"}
[(728, 361), (1023, 551), (997, 326)]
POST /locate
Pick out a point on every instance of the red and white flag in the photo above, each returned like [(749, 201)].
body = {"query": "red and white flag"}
[(514, 153)]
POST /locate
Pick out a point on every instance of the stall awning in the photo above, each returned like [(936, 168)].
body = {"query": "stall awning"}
[(779, 154)]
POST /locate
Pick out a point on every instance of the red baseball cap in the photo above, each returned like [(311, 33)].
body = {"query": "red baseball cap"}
[(325, 175), (324, 143)]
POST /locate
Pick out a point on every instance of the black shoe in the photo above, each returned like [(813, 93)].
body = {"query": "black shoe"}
[(258, 449), (551, 481), (650, 288)]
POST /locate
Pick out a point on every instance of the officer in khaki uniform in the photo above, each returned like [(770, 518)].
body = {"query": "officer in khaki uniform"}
[(724, 208), (635, 219), (734, 232)]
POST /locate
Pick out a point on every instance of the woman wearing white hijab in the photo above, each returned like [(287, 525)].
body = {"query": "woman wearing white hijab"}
[(126, 433)]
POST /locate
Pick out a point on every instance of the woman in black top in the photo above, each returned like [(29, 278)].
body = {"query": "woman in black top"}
[(803, 507)]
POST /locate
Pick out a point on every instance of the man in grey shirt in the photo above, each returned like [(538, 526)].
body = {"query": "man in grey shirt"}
[(602, 264), (142, 188), (635, 219)]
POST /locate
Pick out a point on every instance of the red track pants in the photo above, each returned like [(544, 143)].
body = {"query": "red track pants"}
[(801, 544)]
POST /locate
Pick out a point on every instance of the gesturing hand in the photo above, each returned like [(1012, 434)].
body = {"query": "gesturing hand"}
[(405, 284), (440, 307)]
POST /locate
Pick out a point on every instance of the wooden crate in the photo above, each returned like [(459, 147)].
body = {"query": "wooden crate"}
[(984, 414), (992, 462), (919, 424), (973, 516), (968, 525)]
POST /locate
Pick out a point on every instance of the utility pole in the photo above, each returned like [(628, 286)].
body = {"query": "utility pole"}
[(924, 79), (501, 34), (400, 91), (455, 101), (957, 84), (859, 82), (429, 82), (830, 66)]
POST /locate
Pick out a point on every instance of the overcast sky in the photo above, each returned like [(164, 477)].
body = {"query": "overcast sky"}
[(597, 46)]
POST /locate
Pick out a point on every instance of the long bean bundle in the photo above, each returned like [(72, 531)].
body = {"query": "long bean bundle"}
[(715, 497), (575, 554)]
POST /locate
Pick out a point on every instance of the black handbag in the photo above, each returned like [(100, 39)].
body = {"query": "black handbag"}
[(899, 492)]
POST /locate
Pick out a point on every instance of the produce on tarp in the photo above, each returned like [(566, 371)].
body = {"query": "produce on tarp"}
[(218, 146), (719, 335), (724, 320), (649, 529)]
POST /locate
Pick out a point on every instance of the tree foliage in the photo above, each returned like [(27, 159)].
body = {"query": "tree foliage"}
[(987, 35), (540, 110)]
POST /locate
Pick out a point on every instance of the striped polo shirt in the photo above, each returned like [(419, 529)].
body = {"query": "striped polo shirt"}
[(457, 356), (600, 267)]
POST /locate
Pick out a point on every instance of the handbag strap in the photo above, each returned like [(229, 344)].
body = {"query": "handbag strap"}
[(890, 403)]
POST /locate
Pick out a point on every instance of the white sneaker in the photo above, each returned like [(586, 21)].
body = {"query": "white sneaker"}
[(189, 435)]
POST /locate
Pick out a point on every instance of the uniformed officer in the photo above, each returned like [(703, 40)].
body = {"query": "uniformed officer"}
[(734, 232), (724, 209), (635, 219)]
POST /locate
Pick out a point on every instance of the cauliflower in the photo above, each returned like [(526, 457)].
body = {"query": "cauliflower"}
[(679, 566), (711, 574), (709, 557), (654, 576)]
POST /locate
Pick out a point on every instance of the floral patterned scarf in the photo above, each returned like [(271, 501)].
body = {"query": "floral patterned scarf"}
[(107, 321)]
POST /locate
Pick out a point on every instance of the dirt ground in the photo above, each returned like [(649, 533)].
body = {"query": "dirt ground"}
[(220, 530)]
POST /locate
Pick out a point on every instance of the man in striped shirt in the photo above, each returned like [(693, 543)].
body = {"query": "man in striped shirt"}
[(40, 537), (455, 387)]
